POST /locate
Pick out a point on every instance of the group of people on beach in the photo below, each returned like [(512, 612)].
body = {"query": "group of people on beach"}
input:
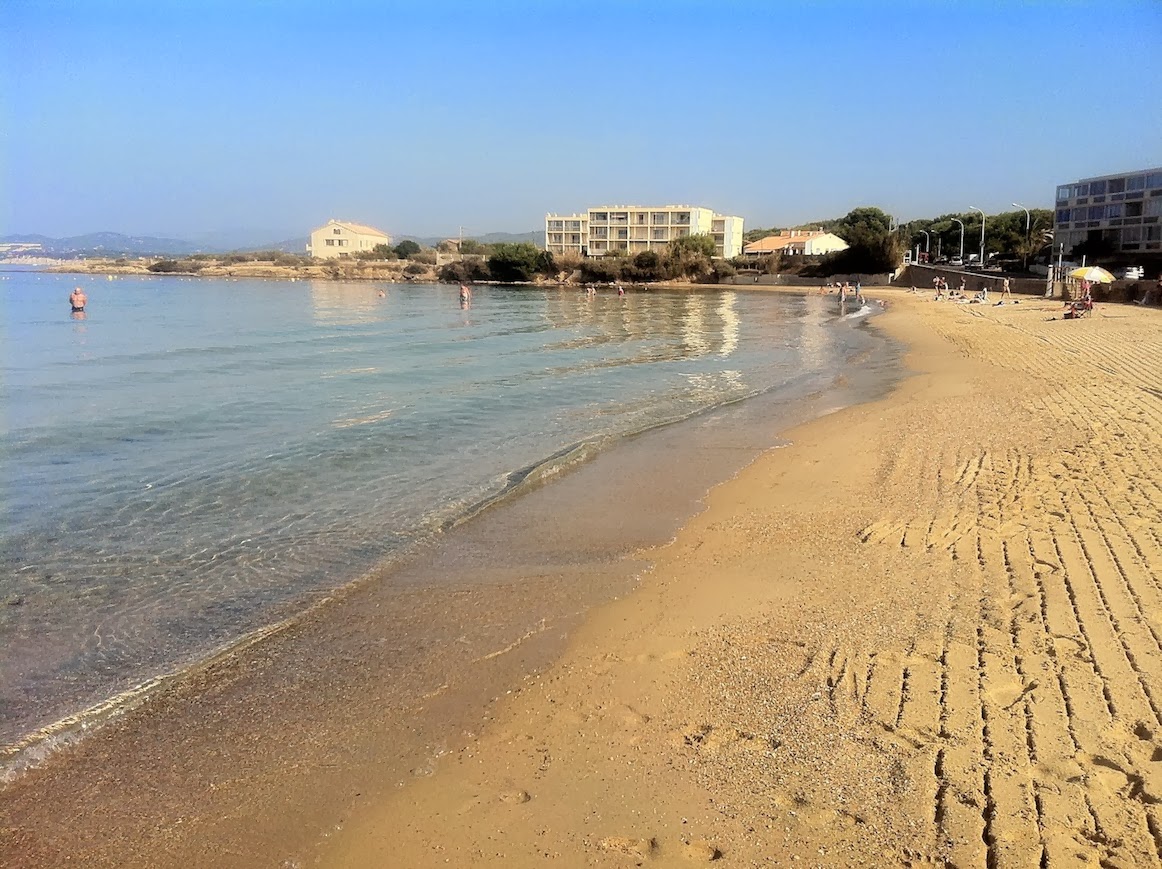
[(846, 291), (960, 294)]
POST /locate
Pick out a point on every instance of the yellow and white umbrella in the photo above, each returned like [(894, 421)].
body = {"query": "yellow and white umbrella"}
[(1093, 274)]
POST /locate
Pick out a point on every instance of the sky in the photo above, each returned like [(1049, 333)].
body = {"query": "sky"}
[(186, 119)]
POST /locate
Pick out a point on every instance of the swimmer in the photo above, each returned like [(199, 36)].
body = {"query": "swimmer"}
[(78, 300)]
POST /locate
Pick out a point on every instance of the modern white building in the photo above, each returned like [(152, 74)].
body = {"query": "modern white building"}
[(634, 228), (1123, 209), (341, 238)]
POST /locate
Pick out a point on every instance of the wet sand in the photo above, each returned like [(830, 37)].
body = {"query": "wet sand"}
[(929, 632), (259, 756)]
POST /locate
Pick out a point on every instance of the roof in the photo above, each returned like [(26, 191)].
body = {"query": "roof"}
[(786, 238), (772, 243), (360, 228)]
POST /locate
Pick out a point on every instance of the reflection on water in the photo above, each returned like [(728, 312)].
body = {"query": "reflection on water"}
[(338, 303), (198, 456)]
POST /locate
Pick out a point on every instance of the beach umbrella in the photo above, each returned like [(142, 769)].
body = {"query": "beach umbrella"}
[(1093, 274)]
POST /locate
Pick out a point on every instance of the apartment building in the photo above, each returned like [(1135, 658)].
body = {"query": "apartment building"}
[(1124, 210), (340, 238), (634, 228)]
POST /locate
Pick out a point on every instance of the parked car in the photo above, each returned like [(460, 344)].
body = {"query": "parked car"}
[(956, 262), (1132, 273)]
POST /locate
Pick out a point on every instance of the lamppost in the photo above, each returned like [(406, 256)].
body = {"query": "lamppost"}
[(1028, 223), (927, 240), (974, 208), (961, 222)]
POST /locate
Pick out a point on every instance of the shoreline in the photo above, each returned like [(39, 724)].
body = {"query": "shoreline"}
[(509, 649), (924, 632), (859, 652)]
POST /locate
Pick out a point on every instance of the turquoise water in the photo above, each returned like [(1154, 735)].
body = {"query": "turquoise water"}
[(197, 457)]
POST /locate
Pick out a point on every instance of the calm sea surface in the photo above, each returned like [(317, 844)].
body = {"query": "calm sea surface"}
[(196, 457)]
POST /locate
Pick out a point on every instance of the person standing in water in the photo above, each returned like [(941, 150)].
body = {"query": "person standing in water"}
[(78, 300), (465, 294)]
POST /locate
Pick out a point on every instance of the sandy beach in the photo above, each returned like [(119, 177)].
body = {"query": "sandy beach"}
[(928, 632)]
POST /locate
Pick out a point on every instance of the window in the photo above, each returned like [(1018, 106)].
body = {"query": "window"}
[(1117, 185), (1131, 234), (1063, 215), (573, 225), (659, 218), (1081, 190), (600, 216), (342, 242), (1095, 212), (1113, 211), (1097, 188), (1137, 182), (336, 231), (330, 242), (1154, 179), (1063, 192), (1133, 209), (1153, 233), (1153, 207), (555, 224)]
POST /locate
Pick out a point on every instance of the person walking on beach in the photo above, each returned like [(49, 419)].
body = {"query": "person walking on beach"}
[(1005, 291), (78, 300)]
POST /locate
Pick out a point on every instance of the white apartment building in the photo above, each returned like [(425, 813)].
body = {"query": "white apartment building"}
[(341, 238), (1124, 209), (634, 228)]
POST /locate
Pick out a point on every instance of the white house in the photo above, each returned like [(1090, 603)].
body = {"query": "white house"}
[(796, 242), (341, 238)]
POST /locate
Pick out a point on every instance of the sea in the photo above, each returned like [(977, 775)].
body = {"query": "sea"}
[(192, 458)]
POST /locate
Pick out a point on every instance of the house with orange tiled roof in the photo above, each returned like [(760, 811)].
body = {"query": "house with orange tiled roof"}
[(342, 238), (796, 242)]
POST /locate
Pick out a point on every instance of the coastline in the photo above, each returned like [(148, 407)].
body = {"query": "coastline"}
[(925, 632), (463, 622), (843, 658)]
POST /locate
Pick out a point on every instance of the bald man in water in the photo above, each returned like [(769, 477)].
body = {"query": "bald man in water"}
[(77, 300)]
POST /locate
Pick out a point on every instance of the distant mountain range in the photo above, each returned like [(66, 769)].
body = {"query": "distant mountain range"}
[(114, 244)]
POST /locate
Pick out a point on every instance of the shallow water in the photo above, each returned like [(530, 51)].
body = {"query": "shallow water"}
[(198, 457)]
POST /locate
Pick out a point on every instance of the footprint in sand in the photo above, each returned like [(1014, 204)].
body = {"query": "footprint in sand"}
[(640, 848)]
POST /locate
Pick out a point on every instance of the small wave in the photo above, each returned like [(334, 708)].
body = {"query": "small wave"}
[(33, 749), (362, 420)]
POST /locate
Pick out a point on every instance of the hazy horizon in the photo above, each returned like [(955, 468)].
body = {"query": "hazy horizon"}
[(269, 119)]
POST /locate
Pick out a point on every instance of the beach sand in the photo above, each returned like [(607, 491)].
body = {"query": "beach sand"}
[(929, 632)]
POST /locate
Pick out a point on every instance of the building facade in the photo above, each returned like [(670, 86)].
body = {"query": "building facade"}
[(796, 242), (1124, 210), (634, 228), (340, 238)]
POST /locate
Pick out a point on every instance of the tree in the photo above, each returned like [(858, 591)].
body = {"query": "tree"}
[(645, 266), (406, 248), (511, 262), (689, 256), (384, 251), (471, 245)]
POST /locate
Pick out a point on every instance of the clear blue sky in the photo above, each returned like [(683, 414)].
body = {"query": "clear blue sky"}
[(271, 117)]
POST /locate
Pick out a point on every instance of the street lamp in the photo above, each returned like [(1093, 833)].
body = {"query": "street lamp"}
[(1028, 222), (974, 208), (961, 222), (927, 240)]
